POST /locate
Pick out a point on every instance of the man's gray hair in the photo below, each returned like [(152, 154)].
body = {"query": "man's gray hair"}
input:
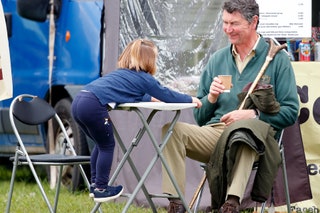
[(247, 8)]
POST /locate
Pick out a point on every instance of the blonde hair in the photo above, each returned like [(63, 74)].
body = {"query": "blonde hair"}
[(139, 55)]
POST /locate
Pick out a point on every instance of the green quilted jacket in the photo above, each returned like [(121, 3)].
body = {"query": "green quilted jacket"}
[(258, 135)]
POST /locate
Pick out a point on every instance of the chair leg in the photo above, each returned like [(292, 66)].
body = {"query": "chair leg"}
[(84, 176), (285, 180), (14, 169), (58, 186), (13, 175), (197, 203), (40, 186), (263, 206)]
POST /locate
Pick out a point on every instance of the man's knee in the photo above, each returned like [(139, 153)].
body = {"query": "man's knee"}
[(175, 129), (165, 128)]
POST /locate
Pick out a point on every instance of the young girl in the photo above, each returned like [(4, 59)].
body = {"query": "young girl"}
[(133, 81)]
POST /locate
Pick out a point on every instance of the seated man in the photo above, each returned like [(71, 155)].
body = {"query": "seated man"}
[(242, 59)]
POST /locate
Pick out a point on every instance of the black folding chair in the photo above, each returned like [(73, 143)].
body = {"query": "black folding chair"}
[(32, 110)]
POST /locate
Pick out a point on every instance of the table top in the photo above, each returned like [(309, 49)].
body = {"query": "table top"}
[(158, 105)]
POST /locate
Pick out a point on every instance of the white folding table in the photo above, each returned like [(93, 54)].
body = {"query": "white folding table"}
[(155, 107)]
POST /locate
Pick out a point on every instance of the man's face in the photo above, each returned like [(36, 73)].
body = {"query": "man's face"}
[(238, 29)]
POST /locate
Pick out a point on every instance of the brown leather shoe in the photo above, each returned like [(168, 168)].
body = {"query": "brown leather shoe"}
[(209, 210), (228, 207), (176, 207)]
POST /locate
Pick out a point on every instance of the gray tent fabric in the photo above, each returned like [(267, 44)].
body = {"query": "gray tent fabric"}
[(298, 178)]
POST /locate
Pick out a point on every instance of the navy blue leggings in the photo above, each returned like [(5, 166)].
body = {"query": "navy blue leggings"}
[(94, 120)]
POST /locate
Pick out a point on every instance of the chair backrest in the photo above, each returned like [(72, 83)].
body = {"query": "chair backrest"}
[(31, 110)]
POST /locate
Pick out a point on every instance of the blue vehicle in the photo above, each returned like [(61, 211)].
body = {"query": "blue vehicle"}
[(55, 49)]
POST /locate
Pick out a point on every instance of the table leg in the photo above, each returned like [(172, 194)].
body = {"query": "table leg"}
[(159, 155), (126, 157)]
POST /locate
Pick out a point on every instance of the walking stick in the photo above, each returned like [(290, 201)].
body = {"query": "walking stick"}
[(273, 50), (197, 192)]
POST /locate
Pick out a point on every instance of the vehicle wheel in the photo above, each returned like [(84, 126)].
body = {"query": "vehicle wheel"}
[(71, 176)]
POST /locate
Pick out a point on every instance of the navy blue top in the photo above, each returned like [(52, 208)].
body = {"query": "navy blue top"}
[(128, 86)]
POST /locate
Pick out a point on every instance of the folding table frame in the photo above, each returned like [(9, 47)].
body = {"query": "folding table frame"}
[(155, 107)]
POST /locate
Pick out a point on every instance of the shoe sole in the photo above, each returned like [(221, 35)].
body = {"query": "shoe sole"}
[(106, 199)]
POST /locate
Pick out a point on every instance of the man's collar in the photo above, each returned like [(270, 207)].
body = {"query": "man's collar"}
[(234, 51)]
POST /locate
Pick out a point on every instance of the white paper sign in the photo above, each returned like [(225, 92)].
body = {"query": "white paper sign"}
[(5, 63), (285, 18)]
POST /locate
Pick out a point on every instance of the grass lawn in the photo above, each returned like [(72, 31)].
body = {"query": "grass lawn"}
[(27, 197)]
